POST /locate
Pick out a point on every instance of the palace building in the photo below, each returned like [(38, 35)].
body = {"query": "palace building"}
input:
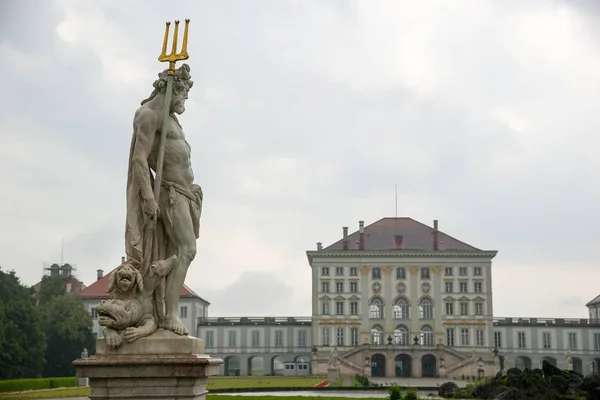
[(399, 297)]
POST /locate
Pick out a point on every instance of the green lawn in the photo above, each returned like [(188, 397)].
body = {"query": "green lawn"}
[(214, 383), (227, 382)]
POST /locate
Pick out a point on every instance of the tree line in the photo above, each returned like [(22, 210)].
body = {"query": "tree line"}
[(41, 333)]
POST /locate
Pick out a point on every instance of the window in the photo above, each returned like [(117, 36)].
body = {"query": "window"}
[(479, 340), (477, 271), (301, 338), (339, 270), (522, 344), (325, 271), (464, 336), (448, 271), (94, 312), (478, 308), (209, 338), (232, 339), (376, 273), (546, 340), (339, 287), (449, 287), (354, 336), (377, 335), (425, 274), (498, 340), (463, 287), (354, 287), (339, 335), (401, 336), (339, 308), (450, 337), (426, 309), (354, 308), (427, 336), (278, 338), (376, 308), (353, 271), (325, 308), (325, 336), (400, 273), (573, 340), (183, 312), (596, 341), (464, 308), (325, 287), (449, 308), (401, 309), (255, 338), (462, 271), (477, 287)]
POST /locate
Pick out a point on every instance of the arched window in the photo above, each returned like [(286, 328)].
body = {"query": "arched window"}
[(401, 309), (426, 309), (377, 335), (376, 273), (401, 336), (427, 336), (376, 308)]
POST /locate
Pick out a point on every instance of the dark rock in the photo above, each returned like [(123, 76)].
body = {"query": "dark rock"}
[(593, 394), (550, 370), (447, 389)]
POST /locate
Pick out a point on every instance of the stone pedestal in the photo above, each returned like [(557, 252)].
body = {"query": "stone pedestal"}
[(161, 366), (442, 373), (333, 374)]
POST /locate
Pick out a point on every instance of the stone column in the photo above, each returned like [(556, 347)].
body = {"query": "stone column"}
[(161, 366)]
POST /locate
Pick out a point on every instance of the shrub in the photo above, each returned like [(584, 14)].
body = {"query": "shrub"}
[(17, 385), (395, 392), (361, 380)]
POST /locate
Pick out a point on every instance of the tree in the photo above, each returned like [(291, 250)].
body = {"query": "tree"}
[(51, 287), (22, 342), (68, 330)]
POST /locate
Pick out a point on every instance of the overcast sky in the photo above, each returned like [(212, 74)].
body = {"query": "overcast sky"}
[(303, 117)]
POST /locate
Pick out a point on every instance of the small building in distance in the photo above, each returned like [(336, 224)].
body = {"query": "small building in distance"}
[(66, 271), (191, 305)]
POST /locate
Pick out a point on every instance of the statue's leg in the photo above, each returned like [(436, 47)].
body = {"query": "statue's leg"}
[(180, 231), (147, 327)]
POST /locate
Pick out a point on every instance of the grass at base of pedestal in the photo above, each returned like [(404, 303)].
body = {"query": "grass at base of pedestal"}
[(214, 383), (81, 391)]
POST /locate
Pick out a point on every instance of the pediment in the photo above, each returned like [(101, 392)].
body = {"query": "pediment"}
[(325, 298)]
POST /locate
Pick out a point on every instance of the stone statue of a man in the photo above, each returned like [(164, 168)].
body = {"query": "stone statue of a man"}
[(171, 224)]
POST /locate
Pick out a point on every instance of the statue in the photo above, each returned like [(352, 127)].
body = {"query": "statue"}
[(569, 360), (163, 212)]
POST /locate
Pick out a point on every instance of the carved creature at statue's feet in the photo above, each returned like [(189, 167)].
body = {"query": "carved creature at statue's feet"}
[(175, 325), (113, 338), (132, 334)]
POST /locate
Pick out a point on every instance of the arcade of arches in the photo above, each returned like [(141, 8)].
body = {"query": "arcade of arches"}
[(404, 366), (256, 365)]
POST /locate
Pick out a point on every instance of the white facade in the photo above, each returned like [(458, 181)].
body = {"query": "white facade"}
[(526, 342), (257, 345)]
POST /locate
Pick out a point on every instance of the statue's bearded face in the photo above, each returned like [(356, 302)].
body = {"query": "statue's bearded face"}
[(180, 95)]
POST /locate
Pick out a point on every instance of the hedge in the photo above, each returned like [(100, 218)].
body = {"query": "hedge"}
[(17, 385)]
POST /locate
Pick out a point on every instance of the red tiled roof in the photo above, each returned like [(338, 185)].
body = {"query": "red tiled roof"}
[(76, 285), (380, 235), (98, 290)]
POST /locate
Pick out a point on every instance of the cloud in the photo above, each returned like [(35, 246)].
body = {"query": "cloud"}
[(303, 118)]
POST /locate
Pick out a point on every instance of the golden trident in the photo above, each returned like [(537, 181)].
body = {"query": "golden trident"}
[(174, 56)]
